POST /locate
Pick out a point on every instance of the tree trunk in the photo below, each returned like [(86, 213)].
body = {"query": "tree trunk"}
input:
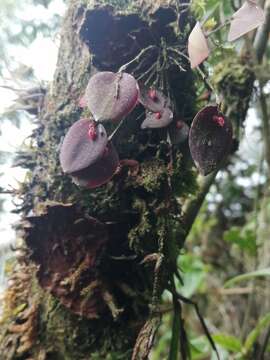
[(93, 291)]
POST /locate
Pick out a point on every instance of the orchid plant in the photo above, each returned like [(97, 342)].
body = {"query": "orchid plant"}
[(88, 153)]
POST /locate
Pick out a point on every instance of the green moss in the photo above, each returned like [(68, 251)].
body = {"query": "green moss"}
[(153, 176), (183, 178), (143, 236), (70, 337), (234, 81)]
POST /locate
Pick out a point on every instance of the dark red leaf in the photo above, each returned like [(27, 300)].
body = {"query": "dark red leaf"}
[(158, 119), (83, 144), (101, 171), (210, 139), (111, 96)]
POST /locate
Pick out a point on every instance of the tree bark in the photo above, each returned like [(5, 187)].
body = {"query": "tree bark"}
[(95, 262)]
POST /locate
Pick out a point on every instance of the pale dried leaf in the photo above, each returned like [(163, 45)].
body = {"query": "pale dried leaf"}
[(247, 18), (198, 49)]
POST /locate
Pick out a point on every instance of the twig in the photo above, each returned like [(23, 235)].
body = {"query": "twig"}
[(178, 52), (221, 26), (266, 127), (176, 63), (235, 291), (137, 58), (207, 84)]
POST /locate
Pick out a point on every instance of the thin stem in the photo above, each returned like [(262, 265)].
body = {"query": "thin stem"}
[(192, 207), (137, 58), (149, 78), (205, 80), (200, 317), (116, 129), (178, 52), (266, 127), (151, 68), (176, 63), (221, 26)]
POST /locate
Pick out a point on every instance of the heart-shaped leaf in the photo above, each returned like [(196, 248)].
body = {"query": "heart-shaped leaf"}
[(247, 18), (111, 96), (101, 171), (198, 49), (210, 139), (152, 99), (158, 119), (83, 144), (178, 132)]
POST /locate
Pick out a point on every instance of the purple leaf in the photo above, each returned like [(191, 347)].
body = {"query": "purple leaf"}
[(247, 18), (198, 49), (101, 171), (111, 96), (158, 119), (83, 144), (210, 139), (152, 99), (178, 132)]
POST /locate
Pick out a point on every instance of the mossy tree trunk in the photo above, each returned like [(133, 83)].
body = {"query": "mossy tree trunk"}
[(94, 263)]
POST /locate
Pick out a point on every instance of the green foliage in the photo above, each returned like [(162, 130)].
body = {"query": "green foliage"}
[(193, 272), (244, 238), (200, 348), (262, 324), (243, 350), (228, 342)]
